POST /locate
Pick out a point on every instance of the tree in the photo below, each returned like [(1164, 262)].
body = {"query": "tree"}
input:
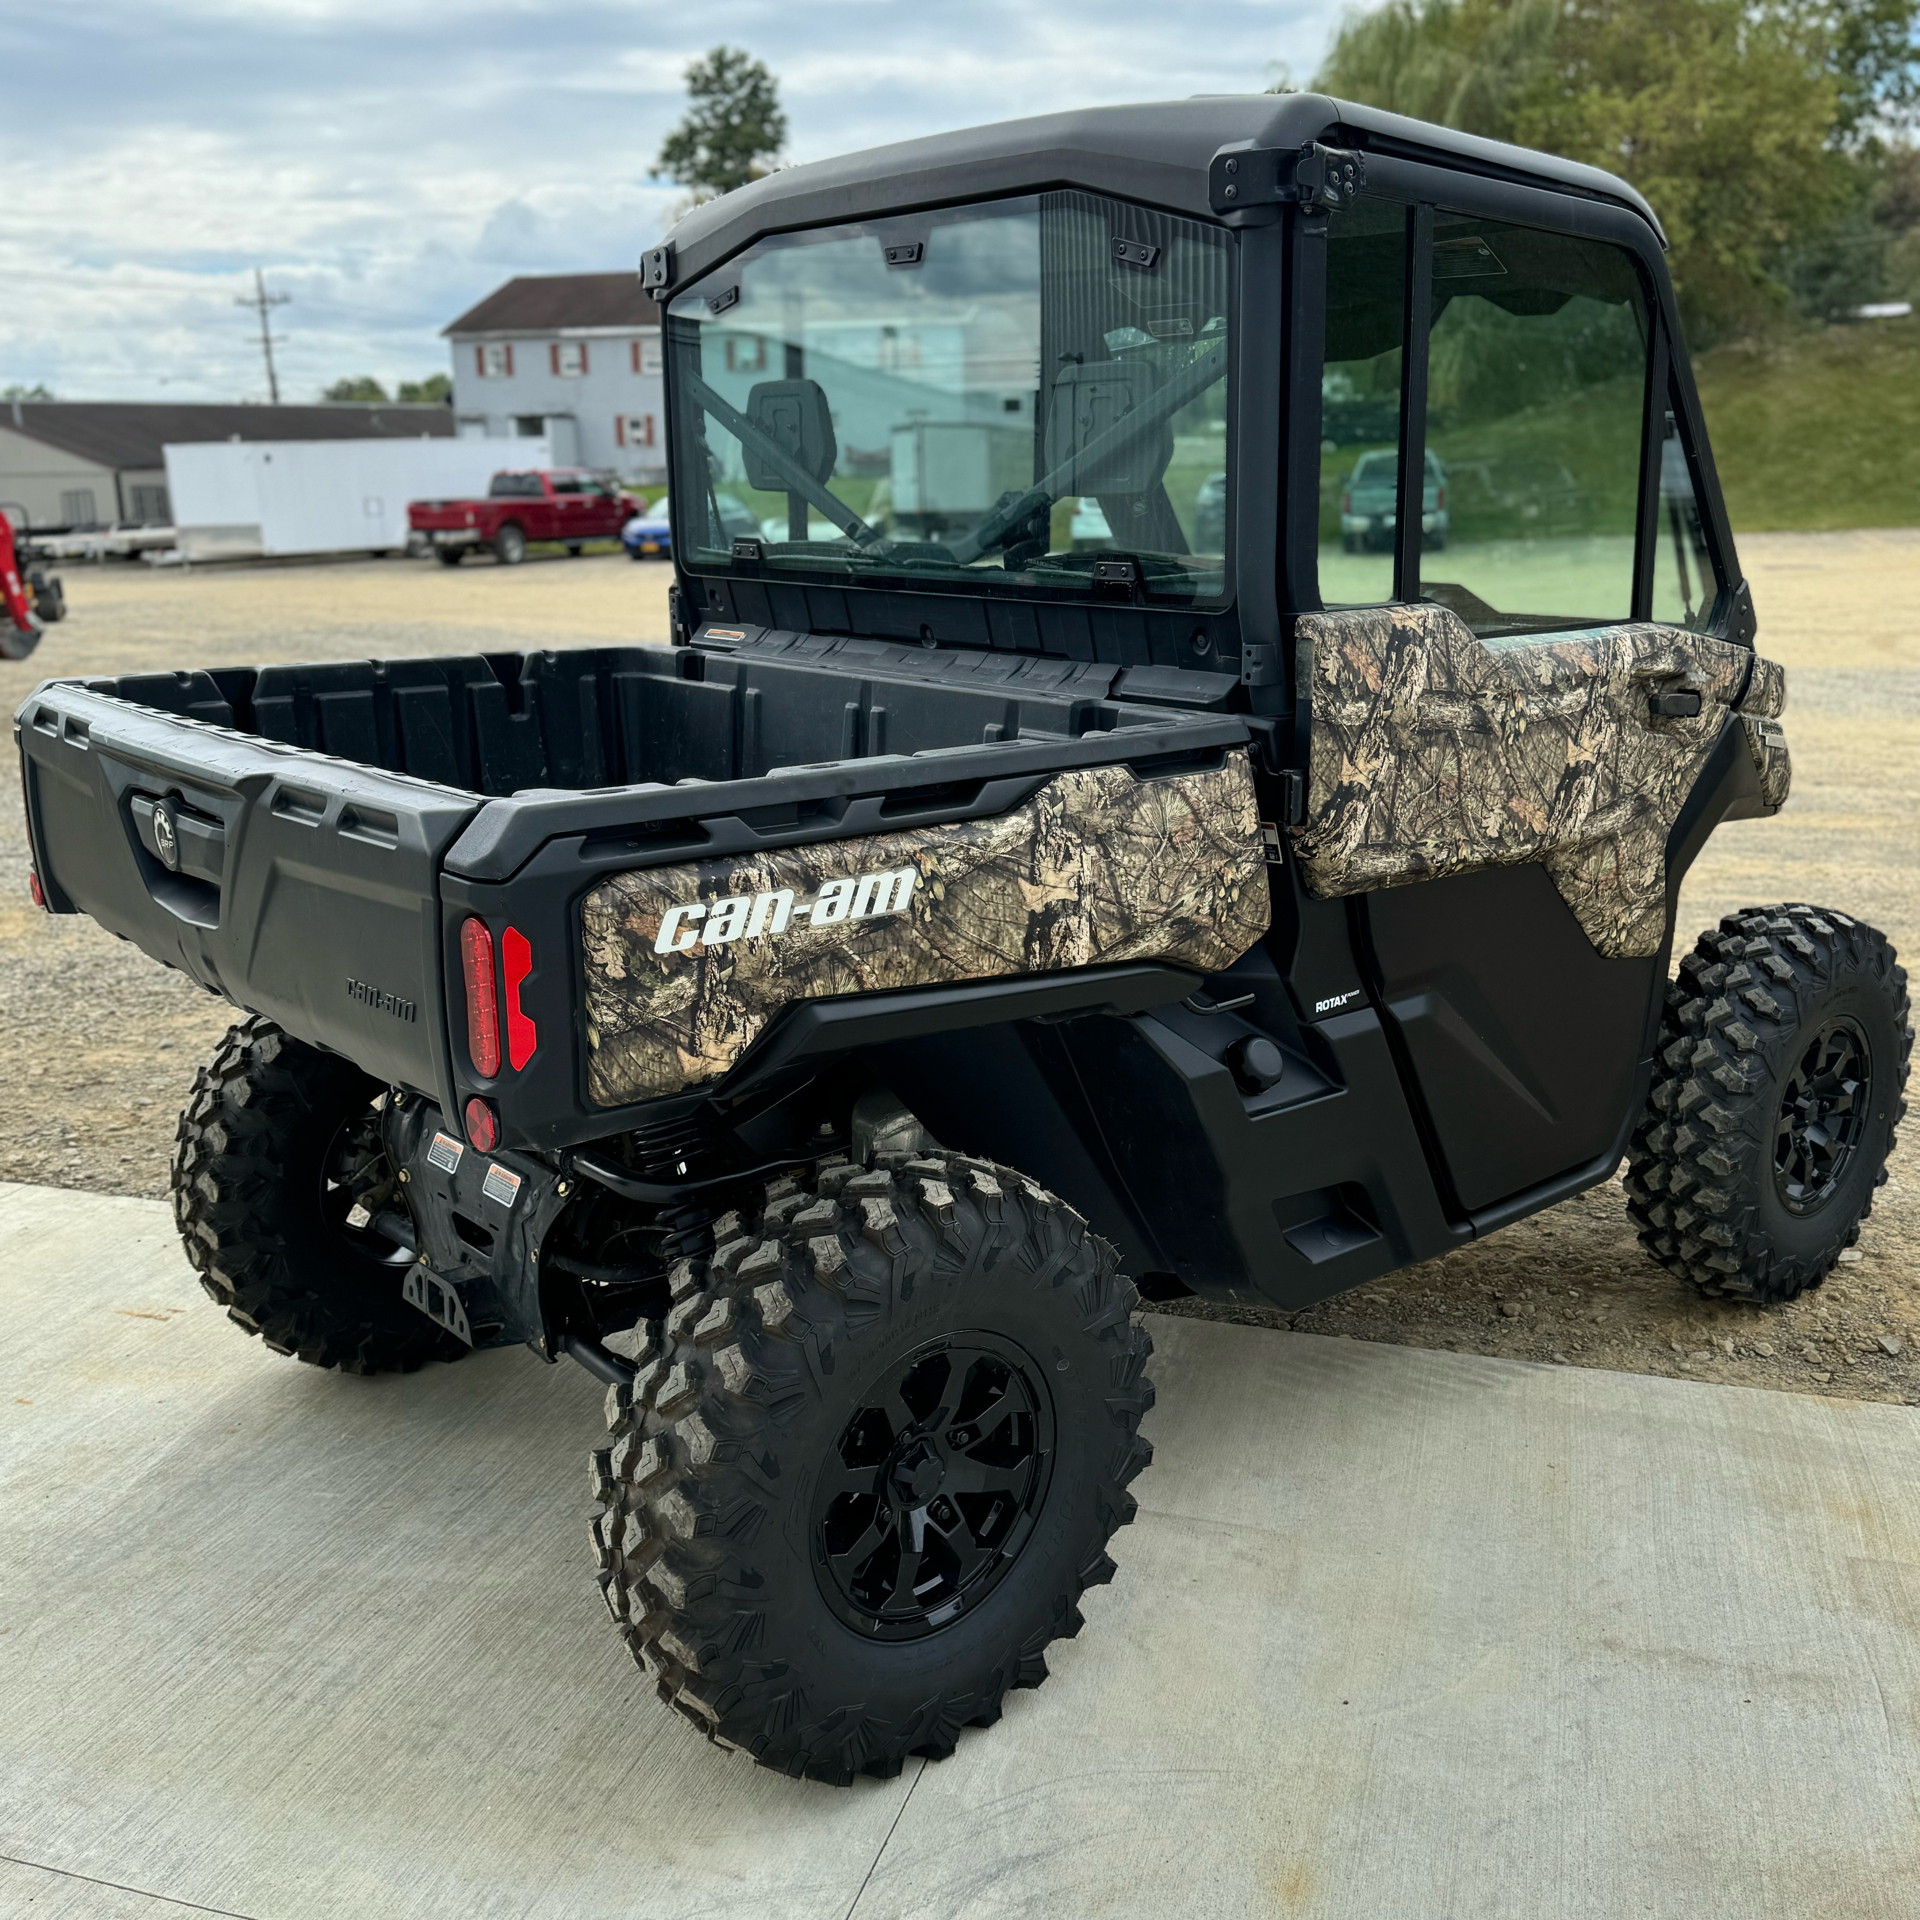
[(363, 387), (17, 391), (435, 390), (1745, 122), (734, 128), (1463, 63)]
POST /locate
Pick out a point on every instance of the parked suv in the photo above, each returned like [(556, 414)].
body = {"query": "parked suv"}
[(1369, 504), (825, 1029)]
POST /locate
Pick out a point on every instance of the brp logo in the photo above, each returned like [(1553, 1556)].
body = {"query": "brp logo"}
[(166, 842)]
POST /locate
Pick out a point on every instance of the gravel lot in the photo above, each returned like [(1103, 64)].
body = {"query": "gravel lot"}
[(105, 1042)]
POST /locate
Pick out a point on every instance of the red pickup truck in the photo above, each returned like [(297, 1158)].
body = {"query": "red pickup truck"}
[(564, 504)]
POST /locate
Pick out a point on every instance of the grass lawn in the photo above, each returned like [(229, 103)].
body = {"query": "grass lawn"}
[(1821, 431)]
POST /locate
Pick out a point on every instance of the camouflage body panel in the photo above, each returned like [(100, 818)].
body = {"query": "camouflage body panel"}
[(1760, 708), (685, 965), (1433, 752)]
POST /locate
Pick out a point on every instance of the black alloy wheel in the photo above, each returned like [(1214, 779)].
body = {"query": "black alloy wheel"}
[(933, 1486), (1823, 1112), (1777, 1091), (871, 1460)]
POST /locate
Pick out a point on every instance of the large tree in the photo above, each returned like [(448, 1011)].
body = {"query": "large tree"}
[(1747, 123), (734, 128)]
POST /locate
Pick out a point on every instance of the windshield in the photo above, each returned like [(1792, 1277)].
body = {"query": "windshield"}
[(997, 396)]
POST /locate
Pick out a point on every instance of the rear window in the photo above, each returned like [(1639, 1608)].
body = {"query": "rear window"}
[(1001, 397), (515, 486)]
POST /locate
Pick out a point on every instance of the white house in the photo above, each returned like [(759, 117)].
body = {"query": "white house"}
[(570, 357)]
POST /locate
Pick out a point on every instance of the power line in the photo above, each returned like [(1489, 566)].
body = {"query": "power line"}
[(262, 302)]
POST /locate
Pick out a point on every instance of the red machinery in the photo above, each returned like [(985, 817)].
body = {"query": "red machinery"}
[(32, 597)]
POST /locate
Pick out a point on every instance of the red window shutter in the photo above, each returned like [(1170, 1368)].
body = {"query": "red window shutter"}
[(646, 429), (509, 359), (553, 356), (619, 429), (583, 356), (633, 349), (480, 361)]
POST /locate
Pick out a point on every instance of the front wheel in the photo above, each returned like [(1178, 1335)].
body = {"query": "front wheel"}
[(510, 545), (871, 1461), (1779, 1083), (280, 1181)]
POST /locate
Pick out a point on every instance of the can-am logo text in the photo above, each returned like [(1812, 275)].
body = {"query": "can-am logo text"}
[(745, 916)]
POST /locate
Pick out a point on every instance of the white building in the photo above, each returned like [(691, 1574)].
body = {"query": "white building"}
[(573, 358), (83, 464)]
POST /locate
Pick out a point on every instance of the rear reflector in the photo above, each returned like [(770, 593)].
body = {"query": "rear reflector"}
[(34, 893), (483, 1130), (516, 962), (483, 1017)]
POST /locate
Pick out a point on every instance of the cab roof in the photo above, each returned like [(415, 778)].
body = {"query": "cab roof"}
[(1157, 153)]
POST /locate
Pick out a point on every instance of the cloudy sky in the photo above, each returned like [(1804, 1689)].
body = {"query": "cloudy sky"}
[(387, 162)]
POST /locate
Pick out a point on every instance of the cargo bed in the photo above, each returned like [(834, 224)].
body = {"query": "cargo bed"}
[(306, 840)]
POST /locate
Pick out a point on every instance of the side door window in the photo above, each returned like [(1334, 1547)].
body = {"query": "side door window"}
[(1360, 401), (1536, 400), (1686, 582)]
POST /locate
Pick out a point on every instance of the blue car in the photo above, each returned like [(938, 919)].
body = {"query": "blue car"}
[(647, 534)]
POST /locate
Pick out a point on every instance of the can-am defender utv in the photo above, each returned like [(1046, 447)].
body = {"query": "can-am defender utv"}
[(1060, 842)]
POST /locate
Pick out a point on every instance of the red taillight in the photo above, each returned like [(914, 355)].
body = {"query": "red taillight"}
[(1440, 500), (483, 1018), (1346, 503), (483, 1130), (34, 893), (516, 962)]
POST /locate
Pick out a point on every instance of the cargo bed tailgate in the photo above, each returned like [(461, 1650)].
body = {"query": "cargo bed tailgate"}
[(295, 884)]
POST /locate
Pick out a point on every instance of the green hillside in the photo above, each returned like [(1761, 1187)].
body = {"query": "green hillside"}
[(1822, 430)]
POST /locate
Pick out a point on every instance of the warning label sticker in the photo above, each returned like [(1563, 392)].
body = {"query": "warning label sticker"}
[(501, 1187), (444, 1152)]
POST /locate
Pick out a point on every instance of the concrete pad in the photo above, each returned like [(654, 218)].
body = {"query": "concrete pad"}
[(1396, 1634), (39, 1893)]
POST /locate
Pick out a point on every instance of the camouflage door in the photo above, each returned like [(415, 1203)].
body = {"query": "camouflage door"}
[(1497, 757)]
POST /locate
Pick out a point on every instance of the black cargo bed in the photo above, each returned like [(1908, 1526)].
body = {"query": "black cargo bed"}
[(310, 811)]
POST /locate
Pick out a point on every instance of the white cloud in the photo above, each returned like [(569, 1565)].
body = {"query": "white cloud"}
[(387, 163)]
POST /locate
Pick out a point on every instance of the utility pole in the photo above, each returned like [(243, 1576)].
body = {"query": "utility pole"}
[(262, 303)]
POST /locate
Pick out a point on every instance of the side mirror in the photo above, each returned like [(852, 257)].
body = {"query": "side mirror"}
[(793, 415)]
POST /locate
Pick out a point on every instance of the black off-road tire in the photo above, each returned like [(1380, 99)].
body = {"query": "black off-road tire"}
[(1755, 1165), (449, 556), (250, 1198), (753, 1402)]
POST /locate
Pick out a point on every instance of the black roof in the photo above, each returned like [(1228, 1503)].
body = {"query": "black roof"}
[(546, 302), (129, 434), (1158, 153)]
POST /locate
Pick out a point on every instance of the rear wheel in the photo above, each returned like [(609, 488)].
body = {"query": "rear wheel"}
[(280, 1176), (871, 1461), (510, 545), (1775, 1097), (449, 556)]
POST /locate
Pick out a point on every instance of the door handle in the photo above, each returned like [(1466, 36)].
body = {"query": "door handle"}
[(1677, 703)]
